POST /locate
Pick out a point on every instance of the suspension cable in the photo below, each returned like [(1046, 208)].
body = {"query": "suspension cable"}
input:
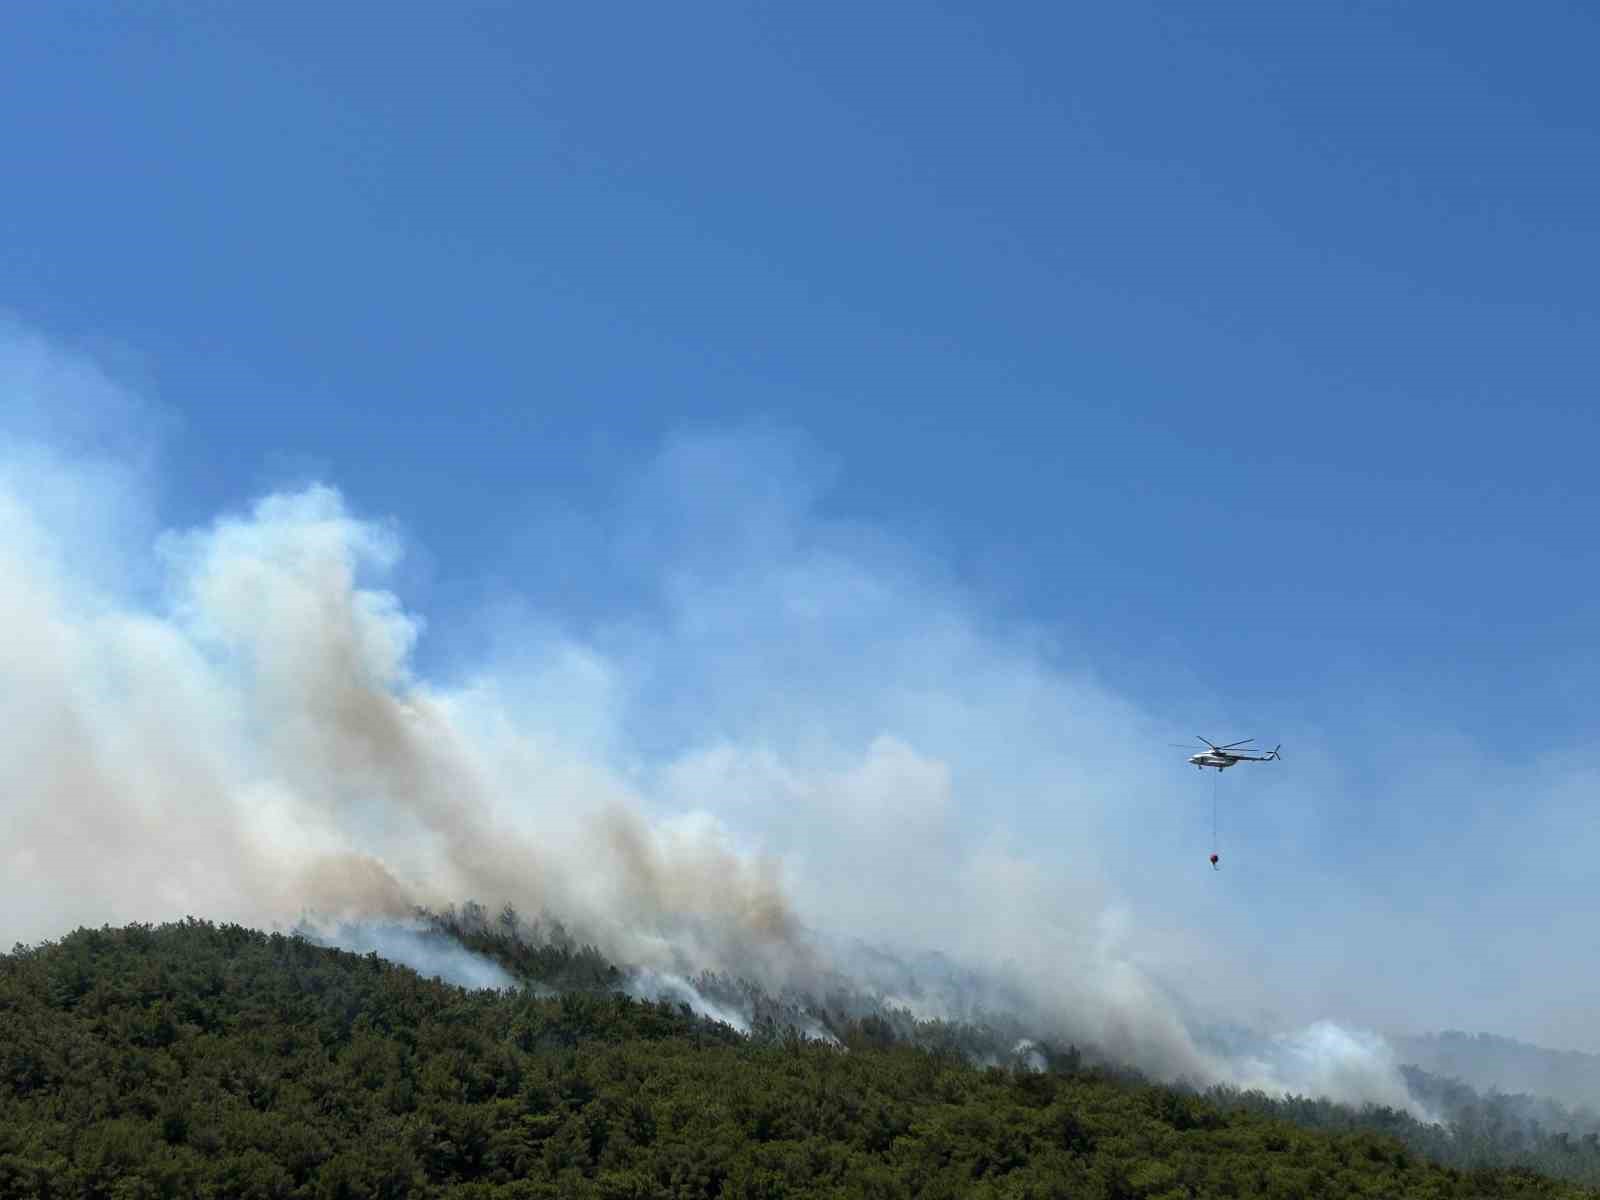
[(1216, 783)]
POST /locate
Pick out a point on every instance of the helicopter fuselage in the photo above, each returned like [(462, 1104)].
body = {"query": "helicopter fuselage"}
[(1222, 760), (1223, 757)]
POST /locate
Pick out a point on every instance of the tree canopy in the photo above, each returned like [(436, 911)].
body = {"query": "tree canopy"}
[(194, 1059)]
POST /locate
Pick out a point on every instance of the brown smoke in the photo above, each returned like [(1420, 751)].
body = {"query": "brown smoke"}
[(247, 741)]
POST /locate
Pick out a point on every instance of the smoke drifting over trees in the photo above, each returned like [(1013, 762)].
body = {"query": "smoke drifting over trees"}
[(802, 747)]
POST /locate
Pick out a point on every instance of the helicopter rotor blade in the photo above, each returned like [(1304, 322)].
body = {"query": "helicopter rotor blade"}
[(1231, 745)]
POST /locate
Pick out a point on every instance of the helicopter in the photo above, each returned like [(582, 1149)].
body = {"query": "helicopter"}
[(1223, 757)]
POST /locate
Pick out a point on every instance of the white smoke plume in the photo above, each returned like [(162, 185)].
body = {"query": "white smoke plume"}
[(429, 953), (804, 736), (648, 984), (1026, 1053), (1323, 1059)]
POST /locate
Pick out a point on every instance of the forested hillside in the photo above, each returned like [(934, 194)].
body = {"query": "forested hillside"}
[(1485, 1061), (1474, 1128), (193, 1059)]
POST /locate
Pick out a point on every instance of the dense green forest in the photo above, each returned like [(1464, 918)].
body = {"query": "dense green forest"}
[(1475, 1130), (194, 1059)]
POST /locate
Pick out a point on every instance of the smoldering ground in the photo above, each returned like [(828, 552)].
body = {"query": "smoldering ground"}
[(804, 744)]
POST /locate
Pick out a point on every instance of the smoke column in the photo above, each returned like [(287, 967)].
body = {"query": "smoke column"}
[(801, 746)]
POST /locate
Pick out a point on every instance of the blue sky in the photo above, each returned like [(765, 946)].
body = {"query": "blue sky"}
[(1240, 360), (1265, 335)]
